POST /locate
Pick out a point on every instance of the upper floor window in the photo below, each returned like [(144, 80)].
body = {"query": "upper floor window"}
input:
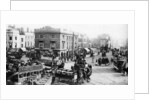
[(15, 38), (53, 36), (15, 45), (41, 45), (21, 39), (63, 44), (41, 36), (10, 38), (10, 45), (22, 45)]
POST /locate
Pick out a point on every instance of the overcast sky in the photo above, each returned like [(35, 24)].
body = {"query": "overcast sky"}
[(118, 32)]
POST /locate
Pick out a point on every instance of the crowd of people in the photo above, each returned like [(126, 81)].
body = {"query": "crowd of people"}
[(82, 70)]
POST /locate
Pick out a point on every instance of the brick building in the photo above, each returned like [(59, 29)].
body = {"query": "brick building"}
[(55, 39)]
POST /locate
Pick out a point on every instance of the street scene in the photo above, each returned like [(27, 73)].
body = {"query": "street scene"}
[(71, 54)]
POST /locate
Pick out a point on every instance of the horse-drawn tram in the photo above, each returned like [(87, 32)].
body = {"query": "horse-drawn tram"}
[(49, 72), (29, 75)]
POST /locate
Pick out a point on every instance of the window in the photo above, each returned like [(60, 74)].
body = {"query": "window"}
[(15, 38), (10, 45), (63, 36), (41, 36), (36, 36), (15, 45), (63, 44), (41, 45), (52, 45), (10, 38), (28, 43), (22, 45), (53, 36), (21, 39)]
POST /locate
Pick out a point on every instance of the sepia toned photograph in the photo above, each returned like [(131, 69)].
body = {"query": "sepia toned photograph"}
[(67, 54)]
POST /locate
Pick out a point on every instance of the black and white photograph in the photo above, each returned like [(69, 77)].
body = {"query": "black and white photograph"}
[(76, 54), (67, 54)]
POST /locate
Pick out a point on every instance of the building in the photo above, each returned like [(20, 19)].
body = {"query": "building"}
[(14, 38), (60, 41), (29, 39), (69, 42), (83, 41), (22, 41), (47, 38)]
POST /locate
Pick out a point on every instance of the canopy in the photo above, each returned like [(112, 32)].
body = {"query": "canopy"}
[(87, 49), (23, 49)]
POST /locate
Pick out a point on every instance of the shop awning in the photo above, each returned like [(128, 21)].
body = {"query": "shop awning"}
[(87, 50), (23, 49)]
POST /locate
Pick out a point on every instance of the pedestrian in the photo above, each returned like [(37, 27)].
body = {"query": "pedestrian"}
[(125, 67), (92, 57)]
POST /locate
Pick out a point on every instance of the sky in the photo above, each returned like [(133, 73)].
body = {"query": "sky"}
[(117, 32)]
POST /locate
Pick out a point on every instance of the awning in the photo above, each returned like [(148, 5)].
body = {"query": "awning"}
[(23, 49), (87, 49)]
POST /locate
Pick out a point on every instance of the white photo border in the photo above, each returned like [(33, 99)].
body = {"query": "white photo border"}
[(7, 17)]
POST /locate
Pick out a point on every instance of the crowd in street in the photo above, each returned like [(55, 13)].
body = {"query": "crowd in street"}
[(77, 74), (15, 65)]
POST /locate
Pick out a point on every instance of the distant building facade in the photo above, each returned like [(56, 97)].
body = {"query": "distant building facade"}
[(83, 41)]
